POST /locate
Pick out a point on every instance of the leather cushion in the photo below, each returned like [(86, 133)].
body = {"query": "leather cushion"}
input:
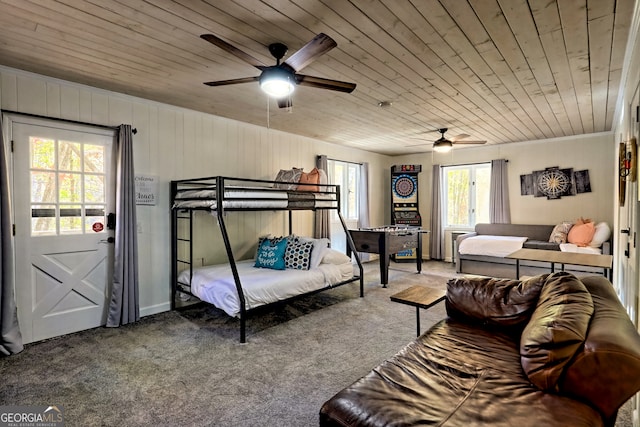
[(455, 374), (492, 301), (556, 330), (610, 357)]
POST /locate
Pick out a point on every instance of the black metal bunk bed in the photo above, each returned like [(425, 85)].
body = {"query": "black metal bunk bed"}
[(220, 194)]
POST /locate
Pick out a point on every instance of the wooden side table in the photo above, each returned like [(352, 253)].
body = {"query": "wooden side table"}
[(419, 297), (559, 257)]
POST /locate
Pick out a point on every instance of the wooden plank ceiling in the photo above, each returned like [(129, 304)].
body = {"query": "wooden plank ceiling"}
[(497, 70)]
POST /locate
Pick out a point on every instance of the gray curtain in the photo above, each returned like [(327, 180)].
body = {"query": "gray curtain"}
[(124, 307), (363, 204), (322, 227), (499, 212), (10, 336), (436, 244)]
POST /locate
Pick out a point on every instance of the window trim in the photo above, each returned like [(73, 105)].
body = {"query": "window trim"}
[(472, 167), (344, 187)]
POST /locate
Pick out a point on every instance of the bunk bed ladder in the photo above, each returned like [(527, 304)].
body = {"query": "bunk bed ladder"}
[(232, 261), (176, 240)]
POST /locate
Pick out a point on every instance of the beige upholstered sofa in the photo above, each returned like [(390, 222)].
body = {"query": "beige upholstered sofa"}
[(498, 266)]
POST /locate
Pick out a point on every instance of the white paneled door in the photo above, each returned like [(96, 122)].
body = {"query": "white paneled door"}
[(63, 190)]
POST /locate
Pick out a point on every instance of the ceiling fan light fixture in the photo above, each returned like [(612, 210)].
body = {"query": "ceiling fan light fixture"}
[(442, 146), (277, 82)]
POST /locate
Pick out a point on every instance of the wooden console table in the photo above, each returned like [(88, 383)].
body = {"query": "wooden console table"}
[(559, 257), (419, 297)]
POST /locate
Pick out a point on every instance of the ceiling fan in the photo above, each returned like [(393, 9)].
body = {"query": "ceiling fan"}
[(279, 80), (444, 145)]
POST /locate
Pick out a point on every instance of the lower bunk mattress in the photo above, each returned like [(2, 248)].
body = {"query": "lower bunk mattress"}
[(215, 284)]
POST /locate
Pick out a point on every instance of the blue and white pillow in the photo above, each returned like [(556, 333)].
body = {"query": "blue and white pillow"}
[(298, 254), (271, 253)]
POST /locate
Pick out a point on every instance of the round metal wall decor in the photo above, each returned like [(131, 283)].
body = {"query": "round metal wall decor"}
[(554, 183)]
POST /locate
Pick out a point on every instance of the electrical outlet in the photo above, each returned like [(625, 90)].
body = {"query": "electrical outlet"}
[(139, 227)]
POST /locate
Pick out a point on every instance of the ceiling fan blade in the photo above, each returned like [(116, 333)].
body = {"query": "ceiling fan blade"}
[(285, 102), (308, 53), (233, 81), (469, 142), (233, 50), (322, 83), (459, 137)]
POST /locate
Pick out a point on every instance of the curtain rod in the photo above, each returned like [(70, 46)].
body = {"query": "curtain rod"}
[(470, 164), (344, 161), (134, 130)]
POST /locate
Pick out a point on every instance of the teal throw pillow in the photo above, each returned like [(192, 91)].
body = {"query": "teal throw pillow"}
[(271, 254)]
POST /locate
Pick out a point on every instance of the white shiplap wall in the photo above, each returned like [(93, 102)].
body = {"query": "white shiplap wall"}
[(175, 143)]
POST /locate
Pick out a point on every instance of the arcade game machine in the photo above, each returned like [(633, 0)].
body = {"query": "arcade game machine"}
[(404, 203)]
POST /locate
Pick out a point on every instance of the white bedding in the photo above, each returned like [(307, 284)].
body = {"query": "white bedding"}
[(213, 205), (253, 197), (215, 285), (245, 197), (498, 246), (244, 192), (570, 247)]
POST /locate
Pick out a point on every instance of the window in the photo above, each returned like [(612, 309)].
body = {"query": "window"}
[(347, 176), (466, 194), (68, 186)]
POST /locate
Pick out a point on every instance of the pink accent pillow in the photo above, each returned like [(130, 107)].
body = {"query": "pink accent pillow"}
[(581, 234), (312, 177)]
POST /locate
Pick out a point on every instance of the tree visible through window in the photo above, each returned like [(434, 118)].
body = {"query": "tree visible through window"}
[(466, 194), (67, 186), (347, 176)]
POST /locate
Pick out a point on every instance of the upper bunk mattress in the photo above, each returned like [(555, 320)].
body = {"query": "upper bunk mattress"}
[(256, 197)]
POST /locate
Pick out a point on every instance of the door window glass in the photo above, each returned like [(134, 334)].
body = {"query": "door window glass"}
[(68, 186)]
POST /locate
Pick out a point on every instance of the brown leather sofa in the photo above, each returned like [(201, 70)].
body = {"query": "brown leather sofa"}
[(553, 350)]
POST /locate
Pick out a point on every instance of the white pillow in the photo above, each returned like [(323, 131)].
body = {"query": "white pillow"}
[(319, 248), (570, 247), (602, 234), (331, 256)]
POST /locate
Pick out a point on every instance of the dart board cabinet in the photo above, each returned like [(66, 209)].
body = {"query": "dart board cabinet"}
[(404, 202)]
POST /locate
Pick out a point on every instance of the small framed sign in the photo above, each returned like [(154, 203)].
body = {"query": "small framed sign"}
[(146, 190)]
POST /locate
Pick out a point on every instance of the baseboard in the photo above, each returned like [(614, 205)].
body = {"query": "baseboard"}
[(155, 309)]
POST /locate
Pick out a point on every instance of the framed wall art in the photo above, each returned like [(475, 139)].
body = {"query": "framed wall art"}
[(555, 182)]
